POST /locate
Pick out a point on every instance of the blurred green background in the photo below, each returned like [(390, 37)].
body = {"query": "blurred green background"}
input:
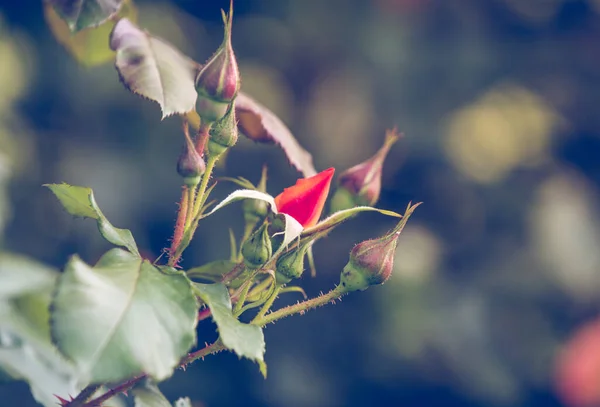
[(498, 101)]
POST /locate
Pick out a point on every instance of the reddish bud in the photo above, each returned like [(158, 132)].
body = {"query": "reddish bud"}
[(219, 79), (304, 201), (371, 262), (190, 164), (361, 184)]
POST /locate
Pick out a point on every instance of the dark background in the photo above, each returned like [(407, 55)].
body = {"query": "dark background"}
[(498, 101)]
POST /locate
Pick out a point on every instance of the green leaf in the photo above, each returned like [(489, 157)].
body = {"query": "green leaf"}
[(148, 395), (20, 276), (244, 339), (154, 69), (292, 228), (80, 14), (79, 201), (212, 271), (88, 47), (26, 352), (123, 317), (341, 216)]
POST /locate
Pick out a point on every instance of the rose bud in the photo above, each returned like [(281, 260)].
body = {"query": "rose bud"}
[(257, 249), (361, 184), (190, 164), (224, 133), (218, 81), (290, 265), (371, 262), (304, 201)]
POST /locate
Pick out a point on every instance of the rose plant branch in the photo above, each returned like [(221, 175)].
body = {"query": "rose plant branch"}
[(301, 307), (213, 348), (126, 319)]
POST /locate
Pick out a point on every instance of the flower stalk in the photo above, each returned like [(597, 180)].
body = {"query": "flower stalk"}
[(300, 308)]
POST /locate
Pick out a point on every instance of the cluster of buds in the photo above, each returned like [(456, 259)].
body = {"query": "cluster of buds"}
[(304, 202), (217, 83), (370, 263)]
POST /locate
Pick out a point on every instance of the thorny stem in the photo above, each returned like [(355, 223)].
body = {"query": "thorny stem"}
[(260, 287), (300, 307), (123, 387), (233, 274), (267, 306), (179, 227), (192, 200), (218, 346), (84, 396), (214, 347), (242, 299), (199, 201), (191, 190), (244, 294), (200, 198), (202, 137)]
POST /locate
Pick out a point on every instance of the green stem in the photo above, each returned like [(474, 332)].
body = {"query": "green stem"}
[(215, 347), (237, 270), (260, 287), (200, 198), (242, 298), (199, 201), (266, 307), (301, 307), (191, 193)]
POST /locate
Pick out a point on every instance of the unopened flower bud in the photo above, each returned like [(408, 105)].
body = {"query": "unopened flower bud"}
[(219, 79), (371, 262), (190, 165), (224, 133), (257, 249), (361, 184), (291, 264)]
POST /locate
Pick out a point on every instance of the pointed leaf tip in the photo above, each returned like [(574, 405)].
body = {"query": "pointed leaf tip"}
[(244, 339), (80, 201)]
